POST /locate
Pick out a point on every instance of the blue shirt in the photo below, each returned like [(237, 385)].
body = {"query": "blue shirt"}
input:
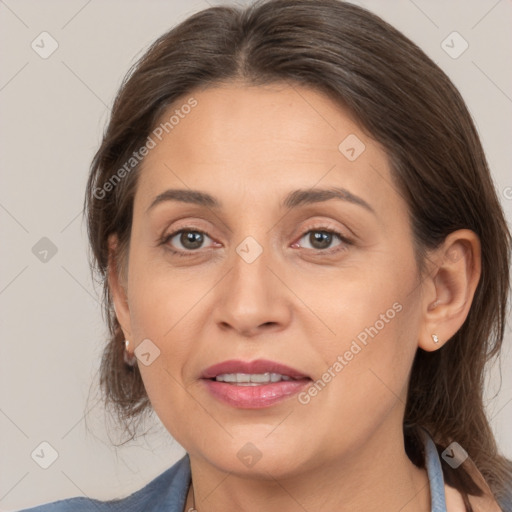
[(168, 491)]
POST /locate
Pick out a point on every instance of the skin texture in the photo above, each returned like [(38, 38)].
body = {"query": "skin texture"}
[(295, 304)]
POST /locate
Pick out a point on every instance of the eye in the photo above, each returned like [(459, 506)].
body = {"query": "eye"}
[(186, 240), (322, 239)]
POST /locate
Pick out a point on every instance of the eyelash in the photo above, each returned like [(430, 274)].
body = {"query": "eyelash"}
[(339, 248)]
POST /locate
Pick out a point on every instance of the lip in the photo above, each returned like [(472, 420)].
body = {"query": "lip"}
[(253, 397), (256, 366)]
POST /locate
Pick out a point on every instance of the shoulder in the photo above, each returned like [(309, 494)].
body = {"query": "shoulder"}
[(79, 504), (166, 492), (454, 501), (487, 502), (452, 498)]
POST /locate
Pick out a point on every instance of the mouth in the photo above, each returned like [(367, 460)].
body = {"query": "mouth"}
[(253, 385), (251, 379)]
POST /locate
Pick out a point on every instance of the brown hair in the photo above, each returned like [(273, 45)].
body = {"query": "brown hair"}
[(405, 102)]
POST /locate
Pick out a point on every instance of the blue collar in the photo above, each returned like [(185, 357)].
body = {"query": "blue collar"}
[(435, 474)]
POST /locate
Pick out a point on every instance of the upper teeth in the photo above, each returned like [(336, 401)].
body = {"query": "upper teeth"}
[(251, 379)]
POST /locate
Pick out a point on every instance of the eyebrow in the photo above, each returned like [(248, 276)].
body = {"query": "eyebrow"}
[(185, 196), (309, 196), (292, 200)]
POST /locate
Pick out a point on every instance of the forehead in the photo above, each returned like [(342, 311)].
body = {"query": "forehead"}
[(237, 118), (264, 140)]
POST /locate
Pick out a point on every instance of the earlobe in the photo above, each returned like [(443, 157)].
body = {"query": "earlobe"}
[(117, 288), (449, 288)]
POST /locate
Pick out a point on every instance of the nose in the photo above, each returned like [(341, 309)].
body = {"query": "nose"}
[(253, 299)]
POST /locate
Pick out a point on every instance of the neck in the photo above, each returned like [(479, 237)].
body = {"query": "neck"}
[(380, 477)]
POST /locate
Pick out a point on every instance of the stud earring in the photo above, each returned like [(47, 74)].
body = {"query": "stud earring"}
[(434, 305), (435, 338), (129, 359)]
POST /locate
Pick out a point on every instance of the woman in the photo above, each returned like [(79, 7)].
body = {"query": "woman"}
[(305, 268)]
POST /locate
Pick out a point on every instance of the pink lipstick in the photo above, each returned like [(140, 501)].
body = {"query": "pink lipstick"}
[(254, 384)]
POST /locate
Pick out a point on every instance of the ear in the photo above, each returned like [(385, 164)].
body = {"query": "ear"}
[(449, 288), (117, 286)]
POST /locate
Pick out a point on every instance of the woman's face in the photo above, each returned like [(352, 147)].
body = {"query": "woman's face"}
[(293, 246)]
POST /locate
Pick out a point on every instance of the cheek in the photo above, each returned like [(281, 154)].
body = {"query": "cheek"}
[(374, 316), (160, 305), (373, 304), (161, 297)]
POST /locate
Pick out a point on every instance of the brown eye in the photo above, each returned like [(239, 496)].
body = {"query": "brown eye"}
[(320, 239), (189, 240)]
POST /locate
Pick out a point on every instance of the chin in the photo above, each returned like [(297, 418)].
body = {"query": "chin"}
[(258, 458)]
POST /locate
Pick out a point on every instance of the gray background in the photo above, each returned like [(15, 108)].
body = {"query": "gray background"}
[(53, 112)]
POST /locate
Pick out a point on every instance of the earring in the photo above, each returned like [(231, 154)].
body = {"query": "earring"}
[(434, 305), (129, 359), (435, 338)]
